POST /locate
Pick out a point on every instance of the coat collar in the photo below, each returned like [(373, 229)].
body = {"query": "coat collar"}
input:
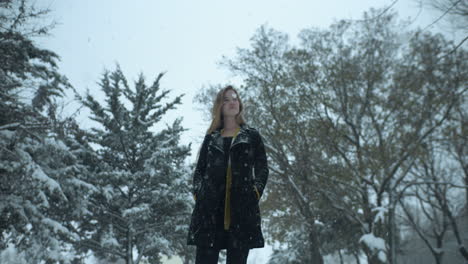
[(242, 137)]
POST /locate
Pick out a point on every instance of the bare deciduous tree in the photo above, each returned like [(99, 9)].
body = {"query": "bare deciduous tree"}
[(344, 116)]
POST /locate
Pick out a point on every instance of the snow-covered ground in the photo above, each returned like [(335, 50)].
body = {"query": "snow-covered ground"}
[(256, 256)]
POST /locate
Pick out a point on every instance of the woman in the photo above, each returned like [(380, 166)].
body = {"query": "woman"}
[(228, 181)]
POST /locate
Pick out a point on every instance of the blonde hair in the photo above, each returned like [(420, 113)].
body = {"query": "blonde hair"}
[(216, 112)]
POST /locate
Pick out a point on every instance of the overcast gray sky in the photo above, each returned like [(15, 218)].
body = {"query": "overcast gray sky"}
[(184, 38)]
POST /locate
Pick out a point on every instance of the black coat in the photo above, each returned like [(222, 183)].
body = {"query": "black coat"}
[(249, 171)]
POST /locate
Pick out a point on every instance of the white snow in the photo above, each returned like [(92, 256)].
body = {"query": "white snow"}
[(57, 143), (109, 240), (11, 255), (382, 256), (373, 242), (317, 222), (7, 133), (380, 216), (136, 210), (50, 183), (79, 182), (56, 226)]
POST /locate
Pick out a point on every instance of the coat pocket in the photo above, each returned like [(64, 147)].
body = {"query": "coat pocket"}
[(257, 194)]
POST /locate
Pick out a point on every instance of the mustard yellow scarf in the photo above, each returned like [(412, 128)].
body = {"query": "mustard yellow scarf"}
[(227, 204)]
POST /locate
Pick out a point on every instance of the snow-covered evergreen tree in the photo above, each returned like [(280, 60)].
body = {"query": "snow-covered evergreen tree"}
[(141, 206), (42, 179)]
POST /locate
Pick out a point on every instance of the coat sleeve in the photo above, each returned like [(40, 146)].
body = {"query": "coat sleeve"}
[(200, 167), (261, 164)]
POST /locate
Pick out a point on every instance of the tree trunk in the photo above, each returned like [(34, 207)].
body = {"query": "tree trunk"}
[(438, 255), (341, 256), (466, 184), (456, 232), (129, 259), (358, 260), (315, 255), (372, 257)]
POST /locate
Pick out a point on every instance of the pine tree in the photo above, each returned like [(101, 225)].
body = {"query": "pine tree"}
[(142, 200), (41, 184)]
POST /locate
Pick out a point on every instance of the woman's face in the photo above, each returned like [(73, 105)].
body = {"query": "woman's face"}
[(230, 103)]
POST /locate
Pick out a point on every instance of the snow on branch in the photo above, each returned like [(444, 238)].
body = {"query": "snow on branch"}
[(380, 216), (136, 210), (376, 245), (303, 198), (50, 183), (57, 227), (40, 175), (11, 125), (80, 183)]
